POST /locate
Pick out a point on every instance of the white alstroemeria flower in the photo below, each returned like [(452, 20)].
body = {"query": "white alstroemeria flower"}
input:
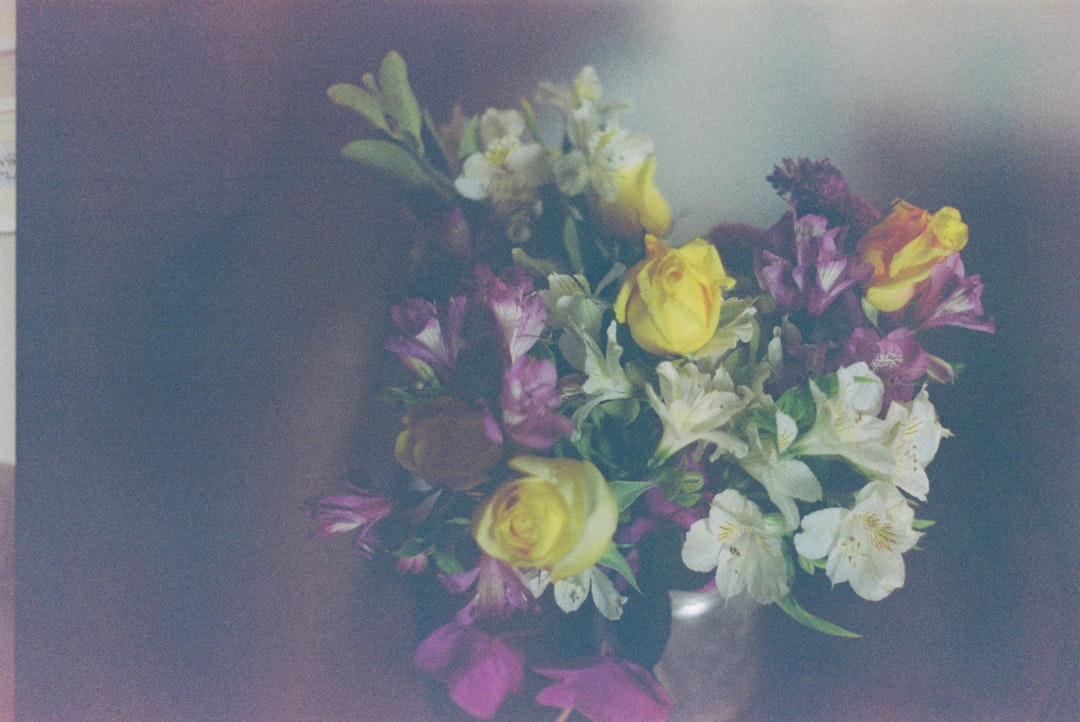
[(847, 425), (611, 150), (736, 540), (864, 544), (785, 479), (694, 406), (915, 443), (507, 171), (570, 302), (570, 593), (605, 378)]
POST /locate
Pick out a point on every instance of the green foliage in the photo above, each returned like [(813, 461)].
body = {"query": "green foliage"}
[(398, 99), (388, 158), (627, 492), (800, 615), (613, 559)]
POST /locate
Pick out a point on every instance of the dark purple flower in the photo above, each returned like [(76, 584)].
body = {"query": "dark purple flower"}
[(684, 516), (519, 312), (608, 690), (341, 513), (818, 188), (898, 360), (424, 337), (801, 264), (529, 400), (949, 298), (478, 670)]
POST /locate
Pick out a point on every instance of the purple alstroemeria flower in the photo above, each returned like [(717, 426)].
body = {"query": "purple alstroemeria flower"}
[(607, 690), (949, 298), (500, 589), (341, 513), (529, 400), (824, 272), (479, 670), (424, 337), (898, 360), (818, 188), (520, 313), (802, 264)]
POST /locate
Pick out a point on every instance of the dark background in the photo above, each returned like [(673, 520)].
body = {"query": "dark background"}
[(203, 287)]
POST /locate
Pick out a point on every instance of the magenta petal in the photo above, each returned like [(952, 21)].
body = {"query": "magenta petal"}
[(610, 690), (479, 670)]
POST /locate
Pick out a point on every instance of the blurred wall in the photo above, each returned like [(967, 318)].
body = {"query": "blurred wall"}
[(203, 287)]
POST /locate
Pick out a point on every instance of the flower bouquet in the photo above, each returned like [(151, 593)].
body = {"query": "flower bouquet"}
[(594, 413)]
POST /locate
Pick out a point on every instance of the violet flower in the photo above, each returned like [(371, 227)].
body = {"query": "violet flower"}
[(949, 298), (608, 690), (520, 313), (341, 513), (529, 399), (817, 187), (898, 360), (426, 338), (479, 670), (500, 589), (820, 273)]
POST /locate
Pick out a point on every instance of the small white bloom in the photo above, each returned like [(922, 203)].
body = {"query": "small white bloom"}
[(784, 479), (915, 443), (735, 540), (864, 544), (846, 424), (570, 593), (695, 406), (605, 378), (569, 303), (612, 150), (507, 171)]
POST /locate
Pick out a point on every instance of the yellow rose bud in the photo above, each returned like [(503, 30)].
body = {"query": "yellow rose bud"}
[(558, 515), (672, 298), (904, 248), (638, 204), (445, 442)]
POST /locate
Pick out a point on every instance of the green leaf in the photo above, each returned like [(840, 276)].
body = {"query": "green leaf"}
[(398, 98), (807, 565), (800, 615), (613, 559), (922, 523), (540, 266), (626, 492), (362, 101), (387, 157), (447, 563), (530, 121), (573, 245), (470, 138), (797, 403)]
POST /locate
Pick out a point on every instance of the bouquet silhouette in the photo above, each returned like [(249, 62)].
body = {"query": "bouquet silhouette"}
[(581, 383)]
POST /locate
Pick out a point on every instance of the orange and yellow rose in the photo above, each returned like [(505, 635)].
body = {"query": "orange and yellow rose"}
[(445, 441), (558, 515), (671, 300), (904, 248)]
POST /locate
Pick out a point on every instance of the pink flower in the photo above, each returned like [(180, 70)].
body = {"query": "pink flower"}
[(479, 670), (609, 690), (343, 513), (500, 589), (529, 399), (519, 312)]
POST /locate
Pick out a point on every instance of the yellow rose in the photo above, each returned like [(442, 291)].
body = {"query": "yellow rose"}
[(638, 204), (671, 299), (558, 515), (445, 442), (904, 248)]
